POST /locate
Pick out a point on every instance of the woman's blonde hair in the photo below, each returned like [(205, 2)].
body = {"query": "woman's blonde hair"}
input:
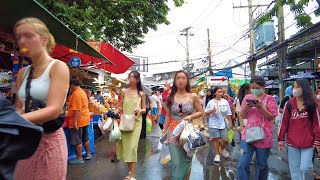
[(40, 28)]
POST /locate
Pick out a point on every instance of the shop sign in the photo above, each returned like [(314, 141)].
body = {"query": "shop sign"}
[(217, 81), (75, 61)]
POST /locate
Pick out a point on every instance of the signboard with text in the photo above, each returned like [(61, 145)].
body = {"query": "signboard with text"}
[(217, 81)]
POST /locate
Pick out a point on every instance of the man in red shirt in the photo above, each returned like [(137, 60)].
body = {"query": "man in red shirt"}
[(165, 94)]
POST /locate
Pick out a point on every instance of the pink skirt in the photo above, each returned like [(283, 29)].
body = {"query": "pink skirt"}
[(48, 162)]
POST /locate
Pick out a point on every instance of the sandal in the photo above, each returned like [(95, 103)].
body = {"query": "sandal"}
[(128, 177)]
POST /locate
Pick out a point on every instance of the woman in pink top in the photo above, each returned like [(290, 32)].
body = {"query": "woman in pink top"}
[(260, 113)]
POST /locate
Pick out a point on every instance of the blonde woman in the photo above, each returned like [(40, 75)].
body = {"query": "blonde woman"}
[(48, 82)]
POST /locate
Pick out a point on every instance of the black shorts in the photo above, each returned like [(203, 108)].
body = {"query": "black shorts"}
[(79, 136)]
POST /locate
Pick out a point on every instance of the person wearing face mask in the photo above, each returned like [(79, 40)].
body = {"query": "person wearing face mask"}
[(259, 109), (300, 126), (286, 98)]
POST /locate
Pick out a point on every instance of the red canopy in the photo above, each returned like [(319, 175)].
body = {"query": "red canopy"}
[(121, 63)]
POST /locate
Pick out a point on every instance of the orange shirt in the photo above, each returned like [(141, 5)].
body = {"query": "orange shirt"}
[(79, 102)]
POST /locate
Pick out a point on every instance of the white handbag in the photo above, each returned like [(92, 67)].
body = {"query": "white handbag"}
[(127, 121), (255, 134)]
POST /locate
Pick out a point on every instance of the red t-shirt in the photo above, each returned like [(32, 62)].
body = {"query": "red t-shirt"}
[(165, 95)]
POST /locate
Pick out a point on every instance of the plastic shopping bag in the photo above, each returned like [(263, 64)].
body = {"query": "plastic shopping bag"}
[(230, 135), (101, 124), (149, 125), (178, 129), (190, 152), (195, 138), (115, 134), (108, 124), (185, 133), (165, 157)]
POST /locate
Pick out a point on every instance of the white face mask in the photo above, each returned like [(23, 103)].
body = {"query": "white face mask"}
[(318, 96)]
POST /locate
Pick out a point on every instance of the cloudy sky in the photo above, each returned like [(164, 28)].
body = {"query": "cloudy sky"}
[(227, 26)]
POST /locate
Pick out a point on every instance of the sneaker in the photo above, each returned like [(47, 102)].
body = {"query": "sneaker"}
[(114, 159), (88, 157), (225, 154), (76, 161), (217, 159)]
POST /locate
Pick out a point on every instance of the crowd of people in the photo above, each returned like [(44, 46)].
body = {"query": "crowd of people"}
[(253, 113)]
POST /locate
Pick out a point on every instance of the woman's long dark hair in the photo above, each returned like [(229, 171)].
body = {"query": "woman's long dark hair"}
[(215, 90), (174, 88), (208, 98), (136, 75), (308, 97), (242, 92)]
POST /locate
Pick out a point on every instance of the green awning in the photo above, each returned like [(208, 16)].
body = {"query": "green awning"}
[(13, 10), (202, 79)]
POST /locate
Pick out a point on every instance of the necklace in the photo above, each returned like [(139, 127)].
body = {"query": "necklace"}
[(38, 67)]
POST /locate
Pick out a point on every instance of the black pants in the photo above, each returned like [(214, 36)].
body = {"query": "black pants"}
[(144, 126)]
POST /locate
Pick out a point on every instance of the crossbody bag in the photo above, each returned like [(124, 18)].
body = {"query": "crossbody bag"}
[(256, 133)]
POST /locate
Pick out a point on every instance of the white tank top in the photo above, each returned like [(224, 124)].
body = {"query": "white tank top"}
[(39, 87)]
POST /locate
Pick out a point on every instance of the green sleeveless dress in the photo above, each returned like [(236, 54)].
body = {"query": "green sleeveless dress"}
[(128, 146)]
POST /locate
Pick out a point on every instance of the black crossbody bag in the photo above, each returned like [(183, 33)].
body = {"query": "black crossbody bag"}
[(32, 104)]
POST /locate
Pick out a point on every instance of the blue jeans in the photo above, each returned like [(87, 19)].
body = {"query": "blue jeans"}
[(262, 155), (300, 163)]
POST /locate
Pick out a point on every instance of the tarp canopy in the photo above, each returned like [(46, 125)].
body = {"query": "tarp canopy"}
[(14, 10), (308, 75), (121, 61), (65, 54)]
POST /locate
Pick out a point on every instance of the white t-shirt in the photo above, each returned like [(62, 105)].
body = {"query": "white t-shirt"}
[(217, 120), (160, 101), (153, 101)]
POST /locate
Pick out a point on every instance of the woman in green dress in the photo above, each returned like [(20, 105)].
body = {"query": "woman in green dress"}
[(133, 102)]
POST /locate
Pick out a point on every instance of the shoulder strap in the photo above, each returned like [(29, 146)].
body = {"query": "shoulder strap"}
[(289, 106), (28, 86)]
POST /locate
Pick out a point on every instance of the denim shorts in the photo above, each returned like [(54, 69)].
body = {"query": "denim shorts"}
[(218, 133)]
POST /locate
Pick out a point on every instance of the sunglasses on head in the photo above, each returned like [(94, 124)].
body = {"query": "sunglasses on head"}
[(180, 108)]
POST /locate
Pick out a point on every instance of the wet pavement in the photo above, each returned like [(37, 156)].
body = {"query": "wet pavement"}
[(149, 167)]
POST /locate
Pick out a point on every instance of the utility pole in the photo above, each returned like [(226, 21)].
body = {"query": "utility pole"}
[(209, 53), (186, 33), (252, 64), (282, 51)]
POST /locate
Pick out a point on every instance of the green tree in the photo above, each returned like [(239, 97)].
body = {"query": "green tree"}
[(302, 18), (121, 22)]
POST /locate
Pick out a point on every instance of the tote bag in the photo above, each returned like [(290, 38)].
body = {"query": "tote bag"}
[(128, 120)]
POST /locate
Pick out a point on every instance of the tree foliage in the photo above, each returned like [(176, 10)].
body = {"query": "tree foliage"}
[(302, 18), (121, 22)]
